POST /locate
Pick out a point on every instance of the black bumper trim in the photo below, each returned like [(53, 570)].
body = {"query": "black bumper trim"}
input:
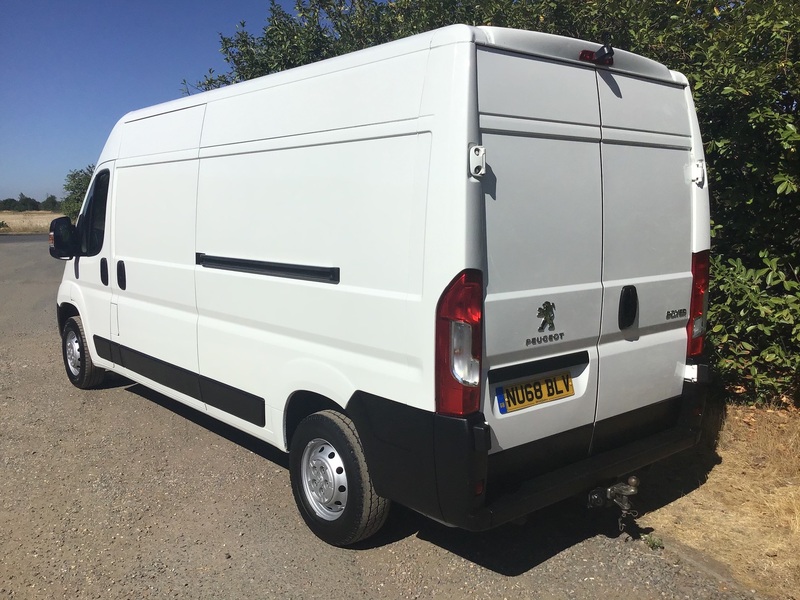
[(579, 477), (440, 465)]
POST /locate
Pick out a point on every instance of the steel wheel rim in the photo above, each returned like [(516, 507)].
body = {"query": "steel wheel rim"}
[(72, 352), (324, 479)]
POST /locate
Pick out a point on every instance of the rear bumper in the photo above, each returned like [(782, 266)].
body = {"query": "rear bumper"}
[(440, 466), (576, 478)]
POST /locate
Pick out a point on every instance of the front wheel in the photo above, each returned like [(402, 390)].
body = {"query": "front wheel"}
[(80, 369), (330, 480)]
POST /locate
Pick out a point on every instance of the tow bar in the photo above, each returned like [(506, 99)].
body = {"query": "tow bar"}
[(619, 494)]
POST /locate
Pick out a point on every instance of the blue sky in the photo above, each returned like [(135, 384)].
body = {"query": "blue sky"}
[(70, 70)]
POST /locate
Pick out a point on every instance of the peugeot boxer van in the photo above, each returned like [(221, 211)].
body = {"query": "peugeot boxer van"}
[(465, 271)]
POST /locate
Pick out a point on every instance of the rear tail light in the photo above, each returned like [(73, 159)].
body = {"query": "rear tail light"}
[(459, 345), (696, 328)]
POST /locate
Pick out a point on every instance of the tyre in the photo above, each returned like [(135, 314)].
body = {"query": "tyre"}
[(80, 369), (330, 480)]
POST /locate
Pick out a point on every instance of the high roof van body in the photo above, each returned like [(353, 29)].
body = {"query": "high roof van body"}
[(465, 271)]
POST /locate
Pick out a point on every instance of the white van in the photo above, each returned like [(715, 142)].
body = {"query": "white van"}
[(465, 271)]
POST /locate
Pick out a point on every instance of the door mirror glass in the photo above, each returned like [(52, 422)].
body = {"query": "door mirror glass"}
[(63, 238)]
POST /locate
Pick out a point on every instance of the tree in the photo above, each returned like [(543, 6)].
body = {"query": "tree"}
[(50, 203), (26, 203), (76, 185), (742, 59)]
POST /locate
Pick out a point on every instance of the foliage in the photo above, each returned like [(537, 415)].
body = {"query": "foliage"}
[(76, 185), (50, 203), (742, 59), (20, 204), (26, 203), (3, 225), (755, 316), (653, 542)]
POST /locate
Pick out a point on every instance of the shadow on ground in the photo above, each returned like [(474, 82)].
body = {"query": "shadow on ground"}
[(231, 434), (678, 475), (511, 549)]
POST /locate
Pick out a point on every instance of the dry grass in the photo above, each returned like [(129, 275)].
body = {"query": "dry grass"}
[(746, 513), (27, 222)]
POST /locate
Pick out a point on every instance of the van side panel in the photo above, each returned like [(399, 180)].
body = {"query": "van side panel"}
[(312, 305), (153, 314), (154, 239), (168, 132), (380, 92)]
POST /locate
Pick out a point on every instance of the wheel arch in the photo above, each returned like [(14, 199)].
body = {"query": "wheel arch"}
[(302, 404), (65, 311)]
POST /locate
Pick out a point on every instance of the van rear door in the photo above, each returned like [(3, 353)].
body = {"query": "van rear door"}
[(588, 237), (540, 125), (647, 253)]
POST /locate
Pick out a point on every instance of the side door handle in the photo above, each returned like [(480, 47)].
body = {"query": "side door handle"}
[(121, 279), (104, 271), (628, 306)]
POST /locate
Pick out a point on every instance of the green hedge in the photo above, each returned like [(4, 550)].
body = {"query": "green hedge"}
[(754, 316)]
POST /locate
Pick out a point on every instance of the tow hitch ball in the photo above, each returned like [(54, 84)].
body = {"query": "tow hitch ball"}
[(620, 494)]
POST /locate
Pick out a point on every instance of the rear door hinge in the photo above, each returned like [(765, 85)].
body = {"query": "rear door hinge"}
[(698, 173), (477, 161)]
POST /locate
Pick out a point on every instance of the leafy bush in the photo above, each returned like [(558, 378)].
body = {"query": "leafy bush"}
[(755, 328), (3, 224), (75, 186)]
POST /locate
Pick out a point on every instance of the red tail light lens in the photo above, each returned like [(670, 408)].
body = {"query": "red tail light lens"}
[(459, 345), (603, 56), (696, 328)]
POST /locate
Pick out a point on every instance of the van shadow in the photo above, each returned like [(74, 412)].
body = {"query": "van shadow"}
[(676, 476), (511, 549), (240, 438), (112, 381)]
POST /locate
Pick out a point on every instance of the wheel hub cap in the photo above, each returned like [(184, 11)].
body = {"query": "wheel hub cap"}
[(73, 353), (324, 479)]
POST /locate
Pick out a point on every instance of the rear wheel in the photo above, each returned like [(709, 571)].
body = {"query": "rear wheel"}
[(330, 480), (80, 369)]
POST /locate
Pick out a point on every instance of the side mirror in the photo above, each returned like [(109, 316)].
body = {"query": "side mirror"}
[(63, 238)]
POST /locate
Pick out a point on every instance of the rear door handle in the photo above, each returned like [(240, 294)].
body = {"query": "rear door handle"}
[(121, 279), (628, 306)]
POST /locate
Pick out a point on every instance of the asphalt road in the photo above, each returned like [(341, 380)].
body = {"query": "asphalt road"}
[(123, 493)]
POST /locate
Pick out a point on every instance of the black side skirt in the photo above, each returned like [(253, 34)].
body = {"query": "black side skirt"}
[(234, 401)]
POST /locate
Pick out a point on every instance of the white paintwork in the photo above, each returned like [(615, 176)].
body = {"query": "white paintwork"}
[(361, 162), (153, 234)]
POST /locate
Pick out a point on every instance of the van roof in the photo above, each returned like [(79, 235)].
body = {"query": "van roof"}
[(513, 40)]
